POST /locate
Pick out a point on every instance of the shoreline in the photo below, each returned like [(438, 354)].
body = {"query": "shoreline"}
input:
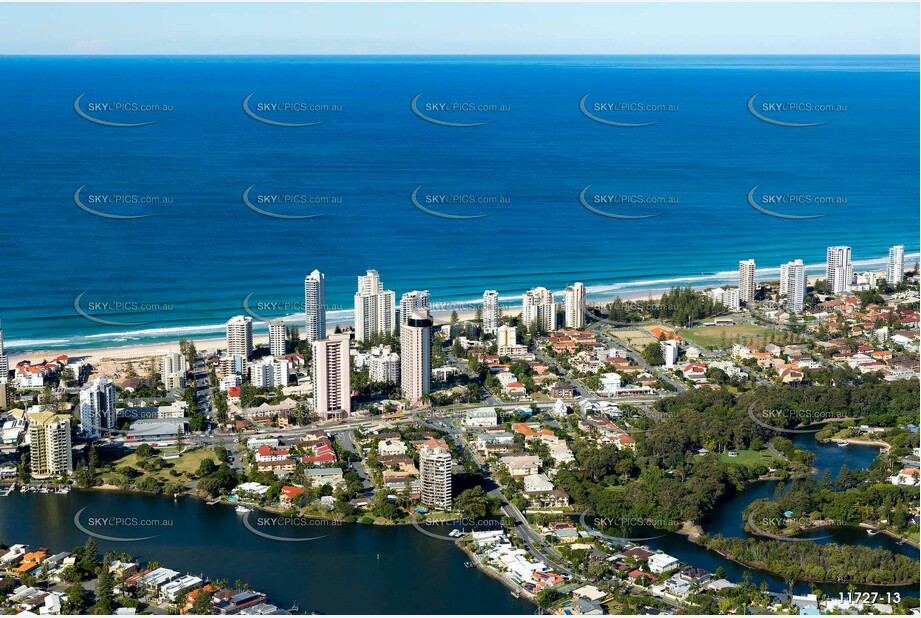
[(140, 351)]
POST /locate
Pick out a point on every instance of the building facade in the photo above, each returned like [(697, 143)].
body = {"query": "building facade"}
[(793, 284), (277, 337), (538, 307), (315, 306), (490, 314), (332, 384), (374, 308), (416, 356), (50, 445), (747, 281), (435, 475), (173, 368), (411, 301), (895, 272), (839, 272), (239, 345), (574, 305), (97, 407)]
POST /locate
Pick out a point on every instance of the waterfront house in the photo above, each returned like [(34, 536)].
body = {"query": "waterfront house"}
[(660, 563), (288, 494)]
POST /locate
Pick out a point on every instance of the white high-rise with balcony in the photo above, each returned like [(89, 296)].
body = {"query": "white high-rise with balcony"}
[(97, 407), (574, 305), (793, 284), (506, 336), (410, 301), (435, 477), (315, 306), (538, 307), (269, 372), (895, 269), (416, 356), (374, 308), (50, 444), (747, 281), (173, 368), (239, 344), (490, 313), (332, 381), (839, 272), (277, 336)]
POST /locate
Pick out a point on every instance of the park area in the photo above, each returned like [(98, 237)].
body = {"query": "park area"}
[(724, 336)]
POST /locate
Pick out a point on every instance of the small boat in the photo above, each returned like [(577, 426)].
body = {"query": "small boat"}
[(872, 532), (841, 442), (469, 565), (63, 490), (516, 593), (455, 533), (243, 509)]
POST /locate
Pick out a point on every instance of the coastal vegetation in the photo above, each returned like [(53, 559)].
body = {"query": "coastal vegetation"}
[(812, 562)]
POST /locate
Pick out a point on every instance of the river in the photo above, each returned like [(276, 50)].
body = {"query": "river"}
[(361, 569)]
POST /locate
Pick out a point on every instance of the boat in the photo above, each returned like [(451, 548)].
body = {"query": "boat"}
[(243, 509), (841, 442), (516, 593), (63, 490), (872, 532), (455, 533)]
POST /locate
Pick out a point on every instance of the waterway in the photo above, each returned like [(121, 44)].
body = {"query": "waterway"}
[(357, 568)]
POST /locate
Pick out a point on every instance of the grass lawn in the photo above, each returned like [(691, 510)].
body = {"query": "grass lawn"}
[(185, 464), (709, 336), (748, 457)]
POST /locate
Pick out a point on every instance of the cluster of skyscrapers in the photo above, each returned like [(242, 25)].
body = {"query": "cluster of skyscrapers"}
[(839, 276)]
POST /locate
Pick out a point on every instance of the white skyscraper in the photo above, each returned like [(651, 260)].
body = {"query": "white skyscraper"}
[(747, 281), (384, 365), (539, 307), (416, 356), (490, 312), (895, 272), (173, 368), (374, 308), (269, 372), (574, 305), (839, 272), (4, 360), (97, 407), (793, 284), (277, 337), (332, 381), (410, 301), (435, 477), (239, 344), (315, 306), (728, 297)]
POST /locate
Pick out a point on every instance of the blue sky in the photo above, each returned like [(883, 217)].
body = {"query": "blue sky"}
[(442, 28)]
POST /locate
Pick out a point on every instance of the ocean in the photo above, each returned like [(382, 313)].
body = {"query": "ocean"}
[(527, 157)]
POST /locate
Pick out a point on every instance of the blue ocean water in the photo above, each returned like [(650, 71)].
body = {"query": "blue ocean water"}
[(204, 251)]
